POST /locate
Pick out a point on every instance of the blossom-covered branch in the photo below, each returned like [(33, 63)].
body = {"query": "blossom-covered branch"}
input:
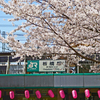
[(55, 27)]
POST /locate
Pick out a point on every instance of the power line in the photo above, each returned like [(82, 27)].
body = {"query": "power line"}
[(8, 25), (21, 34), (21, 39), (18, 34), (4, 45)]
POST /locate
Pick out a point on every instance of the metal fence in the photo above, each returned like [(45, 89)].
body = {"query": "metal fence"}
[(50, 80)]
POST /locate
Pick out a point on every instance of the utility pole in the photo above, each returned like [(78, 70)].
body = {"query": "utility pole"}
[(3, 44)]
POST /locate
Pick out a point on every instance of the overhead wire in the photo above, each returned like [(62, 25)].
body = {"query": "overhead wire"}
[(5, 25)]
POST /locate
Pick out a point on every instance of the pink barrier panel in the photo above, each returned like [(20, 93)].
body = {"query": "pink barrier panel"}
[(38, 94), (74, 94), (62, 94), (27, 94), (87, 93), (0, 93), (98, 93), (11, 93), (51, 94)]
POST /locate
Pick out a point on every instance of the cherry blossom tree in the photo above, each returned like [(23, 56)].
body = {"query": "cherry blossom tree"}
[(68, 28)]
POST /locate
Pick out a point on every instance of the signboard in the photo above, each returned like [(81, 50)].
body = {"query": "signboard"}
[(33, 66), (45, 65)]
